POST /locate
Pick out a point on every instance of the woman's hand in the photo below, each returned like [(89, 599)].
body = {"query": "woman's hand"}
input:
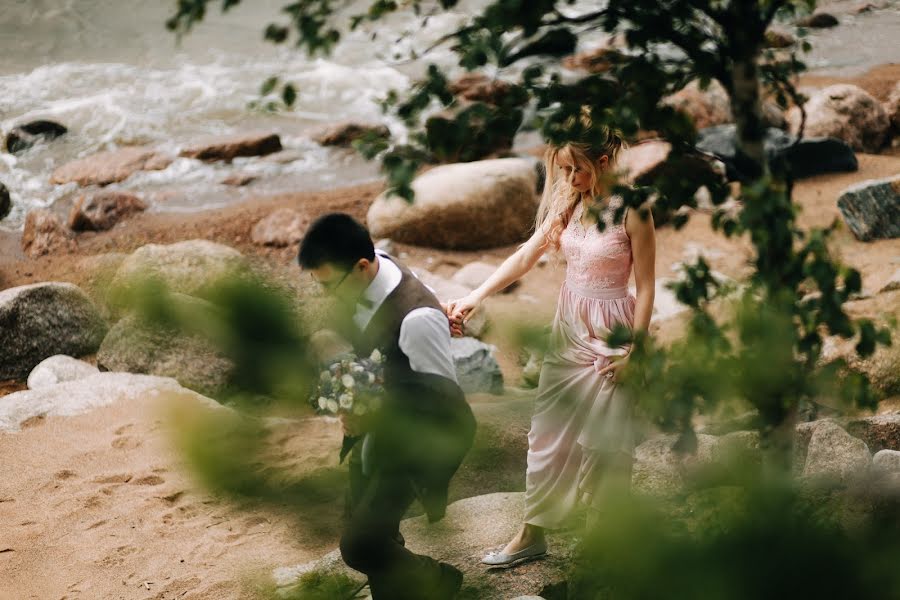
[(459, 311), (613, 370)]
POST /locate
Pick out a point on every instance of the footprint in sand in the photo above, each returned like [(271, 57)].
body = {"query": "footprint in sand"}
[(119, 478), (123, 428), (149, 480), (126, 442), (65, 474)]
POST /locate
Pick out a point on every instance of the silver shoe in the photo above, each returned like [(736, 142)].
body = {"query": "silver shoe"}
[(504, 561)]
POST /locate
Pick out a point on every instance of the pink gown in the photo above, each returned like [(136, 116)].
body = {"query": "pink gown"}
[(581, 419)]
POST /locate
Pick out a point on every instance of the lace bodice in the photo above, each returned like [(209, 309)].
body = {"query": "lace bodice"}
[(598, 263)]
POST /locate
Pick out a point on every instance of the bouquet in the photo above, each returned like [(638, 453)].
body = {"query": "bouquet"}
[(352, 386)]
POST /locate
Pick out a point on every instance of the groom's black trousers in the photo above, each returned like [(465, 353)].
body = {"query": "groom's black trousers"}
[(370, 542)]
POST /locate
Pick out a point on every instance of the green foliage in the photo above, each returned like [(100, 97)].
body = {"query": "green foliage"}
[(736, 543), (316, 585)]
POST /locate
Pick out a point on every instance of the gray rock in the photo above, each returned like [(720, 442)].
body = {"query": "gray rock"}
[(872, 208), (22, 137), (228, 147), (659, 470), (5, 202), (834, 455), (464, 206), (83, 395), (58, 369), (476, 367), (887, 460), (471, 528), (283, 227), (188, 267), (135, 346), (812, 156), (882, 367), (44, 319), (819, 20)]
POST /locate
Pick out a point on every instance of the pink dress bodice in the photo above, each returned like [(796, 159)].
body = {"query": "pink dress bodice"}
[(598, 263)]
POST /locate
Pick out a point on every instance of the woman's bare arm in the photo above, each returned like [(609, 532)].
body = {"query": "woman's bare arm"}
[(643, 250)]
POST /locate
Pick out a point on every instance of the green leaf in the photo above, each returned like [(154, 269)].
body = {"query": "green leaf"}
[(289, 95), (268, 85)]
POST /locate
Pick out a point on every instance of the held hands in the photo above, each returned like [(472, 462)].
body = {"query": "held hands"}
[(459, 311), (614, 369)]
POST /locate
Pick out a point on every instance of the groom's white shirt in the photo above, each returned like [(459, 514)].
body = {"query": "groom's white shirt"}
[(424, 332)]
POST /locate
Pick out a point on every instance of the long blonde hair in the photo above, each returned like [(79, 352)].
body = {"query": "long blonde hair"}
[(559, 198)]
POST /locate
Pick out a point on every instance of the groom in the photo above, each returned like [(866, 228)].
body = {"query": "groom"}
[(413, 446)]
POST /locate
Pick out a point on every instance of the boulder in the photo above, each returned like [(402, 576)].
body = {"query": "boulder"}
[(102, 210), (44, 233), (596, 60), (58, 369), (110, 167), (887, 461), (44, 319), (835, 455), (471, 528), (659, 470), (819, 20), (228, 147), (705, 107), (386, 245), (284, 227), (476, 368), (846, 112), (22, 137), (892, 108), (871, 208), (779, 38), (882, 368), (5, 202), (188, 267), (134, 346), (478, 87), (812, 156), (473, 274), (83, 395), (239, 179), (496, 461), (464, 206), (879, 432), (344, 134)]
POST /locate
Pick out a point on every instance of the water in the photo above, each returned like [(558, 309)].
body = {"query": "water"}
[(109, 71)]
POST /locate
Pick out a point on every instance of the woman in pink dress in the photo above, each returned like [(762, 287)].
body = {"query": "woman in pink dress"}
[(580, 443)]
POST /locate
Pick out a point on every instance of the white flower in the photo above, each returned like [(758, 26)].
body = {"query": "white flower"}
[(332, 406), (376, 355), (348, 381), (346, 401), (371, 377), (360, 409), (323, 402), (324, 376), (357, 368)]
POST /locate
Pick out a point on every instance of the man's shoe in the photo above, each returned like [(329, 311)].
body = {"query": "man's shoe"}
[(450, 582), (501, 560)]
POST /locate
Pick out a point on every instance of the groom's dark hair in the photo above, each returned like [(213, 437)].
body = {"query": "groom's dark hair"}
[(335, 238)]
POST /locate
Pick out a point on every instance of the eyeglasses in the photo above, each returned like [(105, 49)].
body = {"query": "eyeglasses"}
[(330, 287)]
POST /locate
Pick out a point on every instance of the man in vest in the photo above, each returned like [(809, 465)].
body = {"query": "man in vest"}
[(415, 443)]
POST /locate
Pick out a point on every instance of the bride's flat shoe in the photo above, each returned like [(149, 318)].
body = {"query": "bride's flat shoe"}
[(504, 561)]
